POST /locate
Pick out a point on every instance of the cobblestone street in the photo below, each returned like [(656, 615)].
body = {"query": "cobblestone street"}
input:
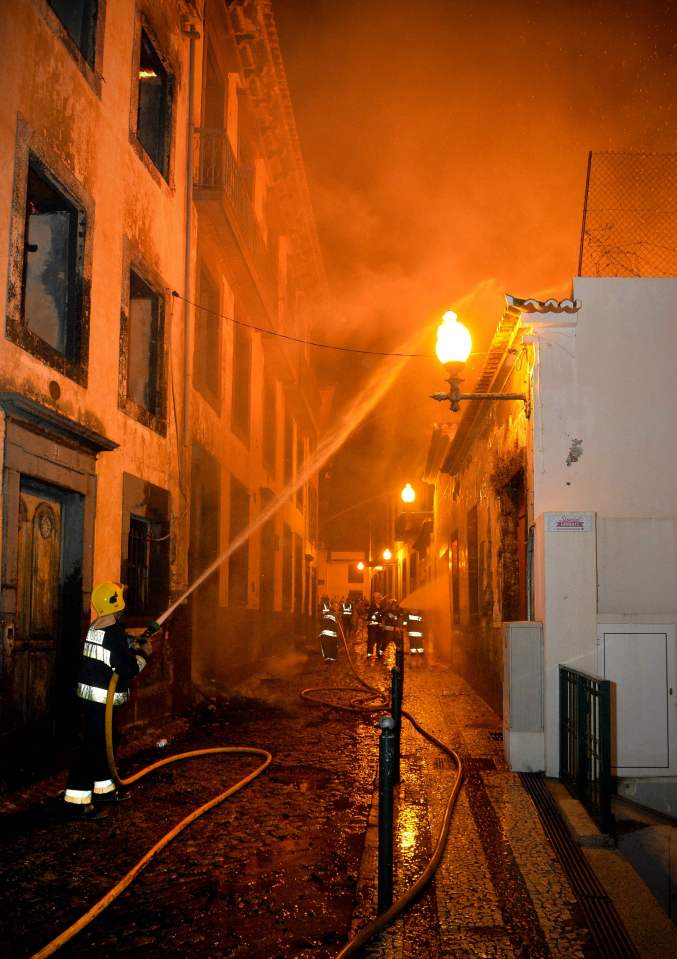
[(278, 870)]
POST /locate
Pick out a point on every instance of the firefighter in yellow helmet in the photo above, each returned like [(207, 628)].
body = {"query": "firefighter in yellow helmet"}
[(107, 649)]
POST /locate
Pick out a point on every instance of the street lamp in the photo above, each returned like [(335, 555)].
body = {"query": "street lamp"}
[(408, 494), (453, 349), (360, 565), (387, 554)]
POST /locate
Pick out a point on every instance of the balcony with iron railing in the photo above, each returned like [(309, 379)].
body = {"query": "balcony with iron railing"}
[(218, 173)]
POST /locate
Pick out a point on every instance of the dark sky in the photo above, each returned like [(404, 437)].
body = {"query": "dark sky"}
[(446, 146)]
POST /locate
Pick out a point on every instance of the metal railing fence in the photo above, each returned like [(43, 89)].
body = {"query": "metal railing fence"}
[(585, 741), (215, 166), (629, 215)]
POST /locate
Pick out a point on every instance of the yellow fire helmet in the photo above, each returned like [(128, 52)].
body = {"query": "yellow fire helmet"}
[(108, 598)]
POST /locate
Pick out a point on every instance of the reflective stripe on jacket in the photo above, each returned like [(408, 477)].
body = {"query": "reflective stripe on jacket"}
[(106, 650)]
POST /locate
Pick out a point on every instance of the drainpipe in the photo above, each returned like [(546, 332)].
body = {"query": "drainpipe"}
[(189, 31)]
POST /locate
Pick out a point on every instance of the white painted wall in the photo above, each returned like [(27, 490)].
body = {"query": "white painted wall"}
[(565, 594), (610, 381), (604, 441)]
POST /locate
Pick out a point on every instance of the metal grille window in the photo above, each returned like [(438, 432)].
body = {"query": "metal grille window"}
[(153, 121), (52, 265), (78, 18), (147, 567)]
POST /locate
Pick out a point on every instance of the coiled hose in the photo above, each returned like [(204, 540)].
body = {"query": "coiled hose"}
[(373, 700), (127, 879)]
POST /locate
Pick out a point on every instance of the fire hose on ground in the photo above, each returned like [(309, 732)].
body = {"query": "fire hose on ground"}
[(369, 699)]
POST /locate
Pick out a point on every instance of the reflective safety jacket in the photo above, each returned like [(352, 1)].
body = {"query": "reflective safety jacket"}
[(106, 651), (346, 609), (415, 625), (374, 615)]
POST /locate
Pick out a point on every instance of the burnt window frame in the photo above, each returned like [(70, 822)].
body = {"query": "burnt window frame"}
[(89, 65), (86, 48), (33, 153), (164, 173), (155, 420)]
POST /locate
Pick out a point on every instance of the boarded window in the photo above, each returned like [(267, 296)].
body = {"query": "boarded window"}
[(298, 575), (299, 467), (355, 575), (286, 567), (312, 512), (52, 265), (78, 18), (267, 564), (238, 564), (242, 371), (205, 495), (207, 351), (153, 122), (288, 448), (473, 564), (144, 346), (269, 425)]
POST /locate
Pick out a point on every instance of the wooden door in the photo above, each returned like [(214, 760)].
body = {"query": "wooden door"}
[(38, 612)]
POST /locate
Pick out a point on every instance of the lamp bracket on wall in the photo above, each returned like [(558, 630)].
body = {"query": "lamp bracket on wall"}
[(454, 397)]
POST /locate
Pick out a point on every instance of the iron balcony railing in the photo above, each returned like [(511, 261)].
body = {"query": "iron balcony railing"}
[(215, 167), (585, 741)]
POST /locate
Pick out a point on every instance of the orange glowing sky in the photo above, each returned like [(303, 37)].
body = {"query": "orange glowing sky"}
[(446, 146)]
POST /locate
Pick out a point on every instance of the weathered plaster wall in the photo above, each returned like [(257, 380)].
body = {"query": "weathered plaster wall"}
[(77, 121), (494, 454)]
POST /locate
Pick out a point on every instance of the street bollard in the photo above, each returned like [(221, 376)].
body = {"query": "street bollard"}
[(399, 659), (396, 707), (385, 813)]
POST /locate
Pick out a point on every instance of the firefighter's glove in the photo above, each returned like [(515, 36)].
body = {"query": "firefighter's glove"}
[(150, 631)]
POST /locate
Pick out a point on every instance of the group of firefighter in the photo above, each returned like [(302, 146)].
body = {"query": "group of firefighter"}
[(386, 622)]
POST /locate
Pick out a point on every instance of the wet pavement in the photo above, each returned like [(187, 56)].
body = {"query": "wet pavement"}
[(285, 867), (499, 891)]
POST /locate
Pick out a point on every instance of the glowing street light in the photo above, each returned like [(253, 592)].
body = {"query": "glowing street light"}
[(408, 494), (453, 349), (387, 554), (360, 565), (453, 340)]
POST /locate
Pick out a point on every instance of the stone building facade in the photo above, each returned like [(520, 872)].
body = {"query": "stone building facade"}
[(153, 209)]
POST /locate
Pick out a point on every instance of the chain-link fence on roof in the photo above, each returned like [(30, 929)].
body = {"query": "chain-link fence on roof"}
[(630, 215)]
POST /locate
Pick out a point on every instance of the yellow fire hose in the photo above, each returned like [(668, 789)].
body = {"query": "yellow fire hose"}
[(127, 879), (370, 699), (364, 703)]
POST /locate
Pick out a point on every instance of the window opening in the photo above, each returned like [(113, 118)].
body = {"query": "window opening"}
[(153, 122), (269, 425), (78, 18), (207, 355), (144, 347), (241, 396), (238, 564), (54, 232)]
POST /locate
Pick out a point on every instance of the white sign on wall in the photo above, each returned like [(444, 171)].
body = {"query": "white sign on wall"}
[(569, 522)]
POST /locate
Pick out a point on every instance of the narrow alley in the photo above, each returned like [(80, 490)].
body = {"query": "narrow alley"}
[(287, 868)]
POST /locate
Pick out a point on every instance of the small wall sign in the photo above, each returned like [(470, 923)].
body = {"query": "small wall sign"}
[(569, 522)]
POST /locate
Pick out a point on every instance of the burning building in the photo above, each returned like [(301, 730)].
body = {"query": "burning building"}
[(159, 237)]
